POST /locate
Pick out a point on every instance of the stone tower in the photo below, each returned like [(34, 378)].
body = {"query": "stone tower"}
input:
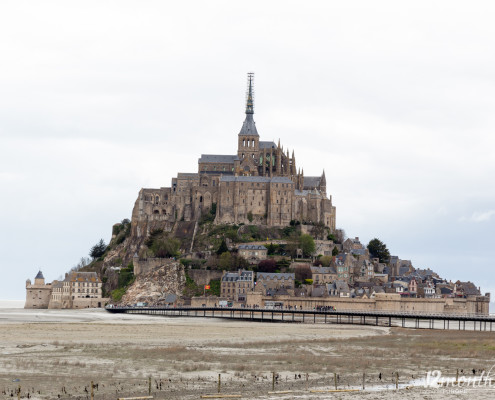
[(37, 295), (248, 138)]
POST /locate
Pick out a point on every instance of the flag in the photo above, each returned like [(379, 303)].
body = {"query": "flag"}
[(207, 287)]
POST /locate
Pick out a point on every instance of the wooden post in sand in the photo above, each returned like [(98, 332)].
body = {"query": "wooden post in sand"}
[(149, 386), (307, 383), (335, 380), (364, 378), (92, 391), (457, 376), (273, 381), (19, 393), (397, 380), (219, 382)]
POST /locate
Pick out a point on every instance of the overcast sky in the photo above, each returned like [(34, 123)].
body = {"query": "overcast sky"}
[(395, 100)]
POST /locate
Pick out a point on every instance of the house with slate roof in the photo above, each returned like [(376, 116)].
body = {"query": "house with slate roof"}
[(237, 285), (253, 253), (321, 275), (271, 281)]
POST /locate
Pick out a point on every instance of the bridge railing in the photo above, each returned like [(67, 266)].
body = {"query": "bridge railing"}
[(383, 313)]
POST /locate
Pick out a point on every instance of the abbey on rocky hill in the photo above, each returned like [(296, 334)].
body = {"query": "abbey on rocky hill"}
[(258, 185)]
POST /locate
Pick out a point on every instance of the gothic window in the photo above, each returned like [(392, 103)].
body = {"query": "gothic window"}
[(157, 199), (253, 143)]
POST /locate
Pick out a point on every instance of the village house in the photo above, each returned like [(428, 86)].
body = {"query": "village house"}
[(321, 275), (352, 244), (252, 253), (413, 287), (236, 285), (272, 282), (339, 288), (344, 264), (364, 271)]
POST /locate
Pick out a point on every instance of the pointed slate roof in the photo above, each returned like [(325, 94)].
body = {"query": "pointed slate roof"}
[(249, 126), (39, 275)]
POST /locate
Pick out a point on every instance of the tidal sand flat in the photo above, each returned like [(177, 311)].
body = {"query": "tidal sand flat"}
[(57, 353)]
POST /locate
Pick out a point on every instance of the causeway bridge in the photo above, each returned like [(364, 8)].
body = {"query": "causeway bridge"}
[(472, 322)]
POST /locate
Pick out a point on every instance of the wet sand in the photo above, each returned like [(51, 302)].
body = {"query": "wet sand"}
[(57, 353)]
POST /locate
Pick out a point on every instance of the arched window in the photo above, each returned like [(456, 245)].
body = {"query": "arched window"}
[(200, 199), (157, 199)]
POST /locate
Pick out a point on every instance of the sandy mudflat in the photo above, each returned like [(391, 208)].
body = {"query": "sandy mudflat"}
[(57, 353)]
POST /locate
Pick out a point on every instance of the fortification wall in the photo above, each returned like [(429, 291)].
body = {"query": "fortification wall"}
[(203, 277), (38, 296), (386, 302), (144, 266), (90, 303)]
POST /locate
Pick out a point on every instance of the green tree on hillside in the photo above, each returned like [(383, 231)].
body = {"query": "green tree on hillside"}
[(168, 247), (307, 244), (225, 261), (378, 249), (98, 249), (223, 248)]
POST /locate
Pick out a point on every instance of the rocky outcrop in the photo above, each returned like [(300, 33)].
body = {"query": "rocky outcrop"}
[(158, 286)]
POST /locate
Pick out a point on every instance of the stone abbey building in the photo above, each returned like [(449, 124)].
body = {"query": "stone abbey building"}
[(260, 184)]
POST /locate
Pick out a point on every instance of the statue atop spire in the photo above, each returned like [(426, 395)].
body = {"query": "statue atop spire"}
[(250, 94)]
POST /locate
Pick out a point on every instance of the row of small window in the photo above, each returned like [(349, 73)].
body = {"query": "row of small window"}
[(248, 142), (89, 284), (224, 169)]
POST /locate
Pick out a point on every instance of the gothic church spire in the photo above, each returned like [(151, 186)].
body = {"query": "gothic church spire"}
[(249, 127), (250, 95)]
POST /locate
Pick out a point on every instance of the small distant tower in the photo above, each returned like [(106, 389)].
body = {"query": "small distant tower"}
[(39, 279), (323, 184)]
